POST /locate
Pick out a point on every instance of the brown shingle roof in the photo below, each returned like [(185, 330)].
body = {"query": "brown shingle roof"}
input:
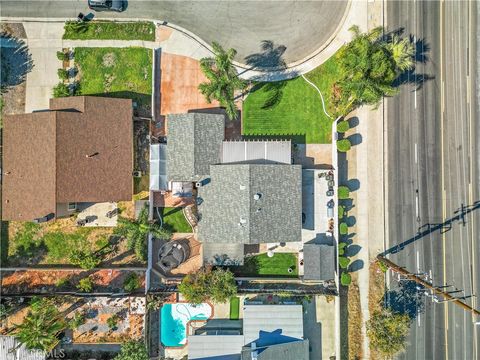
[(56, 156)]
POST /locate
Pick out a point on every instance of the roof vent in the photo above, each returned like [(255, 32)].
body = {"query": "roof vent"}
[(257, 196), (242, 187), (243, 221)]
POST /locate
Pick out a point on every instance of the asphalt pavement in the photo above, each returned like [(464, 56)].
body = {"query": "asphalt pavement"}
[(432, 174), (295, 28)]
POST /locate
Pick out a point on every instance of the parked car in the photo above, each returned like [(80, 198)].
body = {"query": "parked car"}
[(107, 5)]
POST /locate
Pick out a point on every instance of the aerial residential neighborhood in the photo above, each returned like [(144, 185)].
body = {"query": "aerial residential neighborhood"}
[(241, 180)]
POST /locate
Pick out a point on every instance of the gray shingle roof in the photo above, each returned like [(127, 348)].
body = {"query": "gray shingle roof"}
[(194, 143), (319, 261), (229, 212), (296, 350)]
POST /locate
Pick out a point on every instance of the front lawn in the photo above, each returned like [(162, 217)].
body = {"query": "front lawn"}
[(292, 107), (116, 72), (262, 265), (174, 220), (109, 30), (234, 308)]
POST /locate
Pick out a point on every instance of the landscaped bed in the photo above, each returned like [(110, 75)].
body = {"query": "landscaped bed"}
[(51, 243), (174, 220), (109, 30), (116, 72), (263, 266), (295, 108)]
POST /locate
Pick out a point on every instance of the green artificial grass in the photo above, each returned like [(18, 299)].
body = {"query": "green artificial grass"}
[(109, 30), (262, 265), (174, 220), (292, 108), (234, 308), (116, 72)]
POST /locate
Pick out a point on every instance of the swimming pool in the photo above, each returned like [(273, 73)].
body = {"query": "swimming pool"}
[(174, 319)]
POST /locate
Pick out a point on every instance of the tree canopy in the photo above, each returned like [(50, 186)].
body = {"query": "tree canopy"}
[(222, 78), (388, 331), (41, 326), (217, 285), (132, 350), (136, 232), (369, 65)]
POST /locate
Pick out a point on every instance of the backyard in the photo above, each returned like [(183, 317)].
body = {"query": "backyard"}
[(174, 220), (292, 108), (109, 30), (117, 72), (262, 265)]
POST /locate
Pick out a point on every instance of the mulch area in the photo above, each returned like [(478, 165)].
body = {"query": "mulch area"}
[(44, 281)]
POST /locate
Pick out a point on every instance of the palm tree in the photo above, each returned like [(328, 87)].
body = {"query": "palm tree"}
[(403, 51), (223, 79), (40, 328), (368, 67), (136, 232)]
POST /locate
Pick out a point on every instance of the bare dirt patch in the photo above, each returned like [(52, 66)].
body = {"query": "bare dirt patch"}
[(355, 338), (375, 295), (109, 59)]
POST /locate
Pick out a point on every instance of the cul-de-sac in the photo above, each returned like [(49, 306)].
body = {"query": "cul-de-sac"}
[(239, 180)]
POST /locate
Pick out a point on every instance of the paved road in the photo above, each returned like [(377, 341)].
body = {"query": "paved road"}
[(433, 168), (301, 26)]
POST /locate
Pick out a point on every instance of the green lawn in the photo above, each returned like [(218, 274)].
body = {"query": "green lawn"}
[(262, 265), (234, 308), (175, 221), (116, 72), (108, 30), (295, 107)]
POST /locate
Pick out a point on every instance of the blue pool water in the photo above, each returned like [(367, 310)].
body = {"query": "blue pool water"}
[(174, 318)]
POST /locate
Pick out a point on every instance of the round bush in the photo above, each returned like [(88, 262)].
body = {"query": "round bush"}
[(345, 279), (60, 90), (343, 126), (343, 192), (62, 74), (343, 228), (344, 145), (343, 262), (341, 212)]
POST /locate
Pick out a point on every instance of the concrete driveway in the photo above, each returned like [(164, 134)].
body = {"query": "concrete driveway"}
[(295, 28)]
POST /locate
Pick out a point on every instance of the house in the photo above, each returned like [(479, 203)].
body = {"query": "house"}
[(79, 151), (269, 332), (249, 192)]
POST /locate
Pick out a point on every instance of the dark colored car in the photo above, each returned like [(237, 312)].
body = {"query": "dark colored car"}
[(107, 5)]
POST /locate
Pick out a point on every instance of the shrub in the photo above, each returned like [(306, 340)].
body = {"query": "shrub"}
[(343, 262), (62, 74), (60, 90), (112, 321), (76, 26), (62, 282), (341, 248), (382, 266), (85, 259), (343, 126), (345, 279), (85, 285), (132, 350), (62, 56), (388, 331), (341, 212), (343, 145), (343, 192), (77, 320), (343, 228), (131, 283), (218, 285)]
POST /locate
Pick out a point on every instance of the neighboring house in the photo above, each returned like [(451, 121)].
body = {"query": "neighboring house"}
[(80, 151), (248, 191), (269, 332), (11, 349)]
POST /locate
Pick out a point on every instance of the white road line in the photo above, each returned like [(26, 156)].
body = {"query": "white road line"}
[(416, 205), (416, 154)]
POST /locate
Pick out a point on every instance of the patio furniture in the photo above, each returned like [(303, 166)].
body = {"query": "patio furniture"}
[(331, 183), (330, 193), (172, 254), (81, 222), (112, 213), (329, 177)]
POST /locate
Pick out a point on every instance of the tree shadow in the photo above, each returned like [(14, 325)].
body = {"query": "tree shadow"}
[(356, 265), (16, 62), (352, 250), (274, 92), (355, 139), (351, 221), (353, 184), (407, 299), (353, 122), (270, 56)]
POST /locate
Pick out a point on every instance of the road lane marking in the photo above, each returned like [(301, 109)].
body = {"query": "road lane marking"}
[(416, 154)]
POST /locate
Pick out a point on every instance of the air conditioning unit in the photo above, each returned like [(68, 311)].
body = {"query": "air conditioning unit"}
[(198, 184), (137, 174)]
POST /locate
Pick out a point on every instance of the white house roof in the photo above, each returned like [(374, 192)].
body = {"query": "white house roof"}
[(228, 347)]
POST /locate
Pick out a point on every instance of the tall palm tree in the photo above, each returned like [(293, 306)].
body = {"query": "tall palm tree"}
[(403, 51), (222, 78), (136, 232), (40, 328)]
